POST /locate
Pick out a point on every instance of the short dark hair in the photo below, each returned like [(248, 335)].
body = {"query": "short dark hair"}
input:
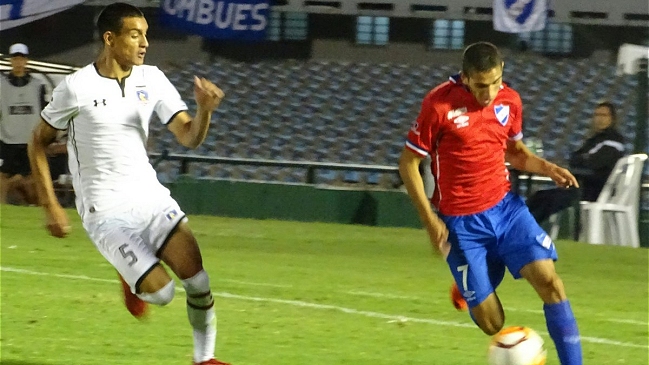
[(611, 109), (480, 57), (112, 17)]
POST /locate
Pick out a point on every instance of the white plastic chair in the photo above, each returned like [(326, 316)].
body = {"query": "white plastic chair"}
[(613, 218), (555, 221)]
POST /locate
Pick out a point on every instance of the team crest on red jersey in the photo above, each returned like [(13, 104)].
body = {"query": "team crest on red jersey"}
[(502, 113)]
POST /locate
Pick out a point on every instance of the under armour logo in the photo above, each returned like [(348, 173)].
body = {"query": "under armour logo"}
[(103, 101)]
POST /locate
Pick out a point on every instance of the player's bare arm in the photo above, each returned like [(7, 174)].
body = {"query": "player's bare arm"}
[(409, 171), (56, 148), (521, 158), (56, 219), (191, 132)]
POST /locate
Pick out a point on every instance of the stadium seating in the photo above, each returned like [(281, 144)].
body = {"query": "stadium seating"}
[(360, 113)]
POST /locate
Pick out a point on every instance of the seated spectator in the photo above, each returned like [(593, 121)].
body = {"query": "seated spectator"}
[(57, 155), (23, 97), (592, 163)]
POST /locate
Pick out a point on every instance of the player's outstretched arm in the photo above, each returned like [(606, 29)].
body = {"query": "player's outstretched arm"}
[(521, 158), (437, 230), (56, 218), (191, 132)]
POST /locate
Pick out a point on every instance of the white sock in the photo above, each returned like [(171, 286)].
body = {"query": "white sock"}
[(201, 314)]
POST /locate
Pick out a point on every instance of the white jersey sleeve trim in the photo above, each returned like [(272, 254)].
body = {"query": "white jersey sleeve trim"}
[(416, 149), (63, 106), (52, 125), (170, 103), (517, 137), (174, 115)]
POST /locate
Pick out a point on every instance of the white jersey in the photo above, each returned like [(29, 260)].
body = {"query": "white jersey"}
[(108, 125)]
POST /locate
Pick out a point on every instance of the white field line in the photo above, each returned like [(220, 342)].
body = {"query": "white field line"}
[(380, 295), (507, 309), (351, 292), (299, 303), (410, 297), (254, 283), (627, 321)]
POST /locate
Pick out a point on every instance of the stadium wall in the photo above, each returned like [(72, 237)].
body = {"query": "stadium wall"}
[(626, 12), (332, 37), (69, 37)]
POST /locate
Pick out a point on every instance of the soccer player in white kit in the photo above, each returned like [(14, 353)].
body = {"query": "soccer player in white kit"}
[(129, 216)]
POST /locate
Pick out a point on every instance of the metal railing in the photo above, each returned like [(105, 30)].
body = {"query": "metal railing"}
[(311, 166)]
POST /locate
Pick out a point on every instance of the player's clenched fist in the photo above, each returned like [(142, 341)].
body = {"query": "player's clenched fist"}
[(57, 222), (208, 96), (438, 234), (562, 177)]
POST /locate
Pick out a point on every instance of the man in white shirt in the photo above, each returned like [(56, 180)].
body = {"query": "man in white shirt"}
[(130, 217), (23, 97)]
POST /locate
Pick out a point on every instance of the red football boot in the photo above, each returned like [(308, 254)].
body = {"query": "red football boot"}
[(457, 299), (211, 362), (136, 306)]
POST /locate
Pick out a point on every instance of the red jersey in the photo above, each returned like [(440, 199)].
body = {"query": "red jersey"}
[(467, 144)]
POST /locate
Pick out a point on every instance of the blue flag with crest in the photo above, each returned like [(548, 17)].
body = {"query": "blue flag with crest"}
[(519, 16), (14, 13)]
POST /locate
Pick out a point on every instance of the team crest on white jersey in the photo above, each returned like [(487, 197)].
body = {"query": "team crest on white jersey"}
[(142, 96), (171, 214), (502, 113), (456, 113)]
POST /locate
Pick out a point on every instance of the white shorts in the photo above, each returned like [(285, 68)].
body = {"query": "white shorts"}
[(130, 238)]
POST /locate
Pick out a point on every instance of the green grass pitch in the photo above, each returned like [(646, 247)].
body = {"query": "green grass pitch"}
[(292, 293)]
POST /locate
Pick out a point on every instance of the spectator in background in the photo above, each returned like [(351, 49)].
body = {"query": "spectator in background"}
[(23, 97), (57, 156), (592, 162)]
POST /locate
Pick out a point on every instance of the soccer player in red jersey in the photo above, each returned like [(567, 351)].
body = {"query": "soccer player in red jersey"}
[(470, 126)]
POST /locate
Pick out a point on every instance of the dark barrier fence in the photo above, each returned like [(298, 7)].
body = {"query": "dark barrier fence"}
[(299, 202), (311, 202)]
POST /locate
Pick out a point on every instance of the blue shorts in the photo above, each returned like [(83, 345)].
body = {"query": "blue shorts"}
[(483, 244)]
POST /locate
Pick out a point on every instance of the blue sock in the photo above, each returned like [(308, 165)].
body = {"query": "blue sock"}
[(562, 327)]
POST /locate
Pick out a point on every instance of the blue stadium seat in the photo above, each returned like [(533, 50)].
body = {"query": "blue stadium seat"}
[(360, 112), (351, 177)]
